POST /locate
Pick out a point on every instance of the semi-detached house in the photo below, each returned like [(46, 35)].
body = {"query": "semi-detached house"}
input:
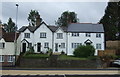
[(59, 38)]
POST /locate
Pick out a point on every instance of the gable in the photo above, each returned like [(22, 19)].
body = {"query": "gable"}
[(2, 40), (60, 30)]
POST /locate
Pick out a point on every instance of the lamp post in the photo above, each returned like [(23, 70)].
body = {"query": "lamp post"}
[(16, 33)]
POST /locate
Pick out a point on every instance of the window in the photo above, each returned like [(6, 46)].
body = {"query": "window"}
[(98, 35), (27, 35), (59, 35), (29, 45), (2, 45), (98, 46), (88, 35), (10, 58), (62, 45), (1, 58), (75, 34), (75, 45), (46, 45), (42, 35)]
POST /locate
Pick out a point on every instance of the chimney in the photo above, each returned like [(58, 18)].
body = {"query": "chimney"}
[(38, 20)]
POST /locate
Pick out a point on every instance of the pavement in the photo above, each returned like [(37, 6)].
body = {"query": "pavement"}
[(50, 71)]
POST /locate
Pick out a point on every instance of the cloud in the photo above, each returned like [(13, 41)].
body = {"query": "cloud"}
[(50, 11)]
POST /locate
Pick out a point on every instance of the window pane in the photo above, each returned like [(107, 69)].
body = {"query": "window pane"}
[(42, 35), (59, 35)]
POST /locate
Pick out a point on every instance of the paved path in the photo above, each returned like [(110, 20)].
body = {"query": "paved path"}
[(59, 72)]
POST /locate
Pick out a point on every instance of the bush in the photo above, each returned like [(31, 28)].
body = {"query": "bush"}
[(84, 51), (62, 52), (49, 52)]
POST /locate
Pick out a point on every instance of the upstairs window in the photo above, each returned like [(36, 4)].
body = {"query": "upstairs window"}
[(42, 35), (27, 35), (59, 35), (2, 45), (75, 34), (88, 35), (98, 35), (46, 45), (62, 45)]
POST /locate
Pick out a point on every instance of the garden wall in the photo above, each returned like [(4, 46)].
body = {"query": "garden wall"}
[(47, 63)]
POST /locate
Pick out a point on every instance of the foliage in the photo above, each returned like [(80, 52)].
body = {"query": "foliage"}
[(10, 26), (111, 21), (49, 52), (84, 51), (33, 55), (34, 18), (92, 57), (62, 52), (65, 57), (66, 18)]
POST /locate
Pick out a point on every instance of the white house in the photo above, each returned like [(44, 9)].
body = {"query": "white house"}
[(7, 48), (60, 38)]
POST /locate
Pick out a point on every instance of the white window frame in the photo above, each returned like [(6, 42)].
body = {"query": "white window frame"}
[(10, 58), (2, 45), (1, 58), (75, 34), (46, 45), (59, 35), (75, 45), (98, 46), (26, 35), (98, 35), (43, 35), (88, 34), (62, 45)]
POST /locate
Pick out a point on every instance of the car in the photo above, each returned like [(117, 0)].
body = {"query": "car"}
[(116, 62)]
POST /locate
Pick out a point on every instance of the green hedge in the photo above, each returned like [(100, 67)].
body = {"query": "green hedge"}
[(84, 51)]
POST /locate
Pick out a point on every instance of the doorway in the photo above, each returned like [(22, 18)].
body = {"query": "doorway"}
[(56, 47), (38, 47), (24, 47)]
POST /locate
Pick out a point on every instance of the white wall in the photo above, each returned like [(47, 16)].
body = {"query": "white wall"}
[(82, 38), (59, 41), (37, 39)]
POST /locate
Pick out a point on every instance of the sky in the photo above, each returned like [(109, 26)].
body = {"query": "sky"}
[(87, 12)]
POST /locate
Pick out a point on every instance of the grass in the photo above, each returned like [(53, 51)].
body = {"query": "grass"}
[(65, 57), (36, 56)]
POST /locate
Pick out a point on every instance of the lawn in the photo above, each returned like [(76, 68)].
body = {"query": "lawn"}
[(36, 56), (65, 57)]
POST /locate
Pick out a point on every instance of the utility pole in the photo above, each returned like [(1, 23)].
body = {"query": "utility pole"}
[(16, 33)]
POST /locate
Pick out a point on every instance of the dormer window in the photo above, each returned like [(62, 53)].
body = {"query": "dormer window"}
[(59, 35), (88, 35), (27, 35), (43, 35)]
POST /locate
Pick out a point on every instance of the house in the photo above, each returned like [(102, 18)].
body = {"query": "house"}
[(7, 48), (59, 38)]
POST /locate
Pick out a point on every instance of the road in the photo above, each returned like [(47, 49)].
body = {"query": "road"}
[(59, 72)]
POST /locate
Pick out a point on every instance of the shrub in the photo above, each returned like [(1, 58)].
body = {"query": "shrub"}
[(84, 51), (62, 52), (49, 52)]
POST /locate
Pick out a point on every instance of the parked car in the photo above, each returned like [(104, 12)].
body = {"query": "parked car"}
[(116, 62)]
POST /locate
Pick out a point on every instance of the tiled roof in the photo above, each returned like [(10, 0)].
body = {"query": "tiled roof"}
[(10, 37), (85, 27)]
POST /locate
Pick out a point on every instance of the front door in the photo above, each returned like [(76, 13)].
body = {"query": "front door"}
[(56, 47), (24, 47), (38, 47)]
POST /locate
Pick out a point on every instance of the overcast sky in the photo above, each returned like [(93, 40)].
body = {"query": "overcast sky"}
[(87, 12)]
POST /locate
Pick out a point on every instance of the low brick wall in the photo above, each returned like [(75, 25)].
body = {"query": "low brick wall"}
[(47, 63)]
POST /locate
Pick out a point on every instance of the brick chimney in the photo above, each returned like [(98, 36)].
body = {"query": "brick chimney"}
[(1, 31), (38, 20)]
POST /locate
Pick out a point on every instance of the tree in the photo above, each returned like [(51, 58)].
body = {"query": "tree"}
[(34, 18), (66, 18), (84, 51), (111, 20), (10, 26), (0, 22)]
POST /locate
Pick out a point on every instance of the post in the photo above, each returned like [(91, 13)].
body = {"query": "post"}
[(16, 34)]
